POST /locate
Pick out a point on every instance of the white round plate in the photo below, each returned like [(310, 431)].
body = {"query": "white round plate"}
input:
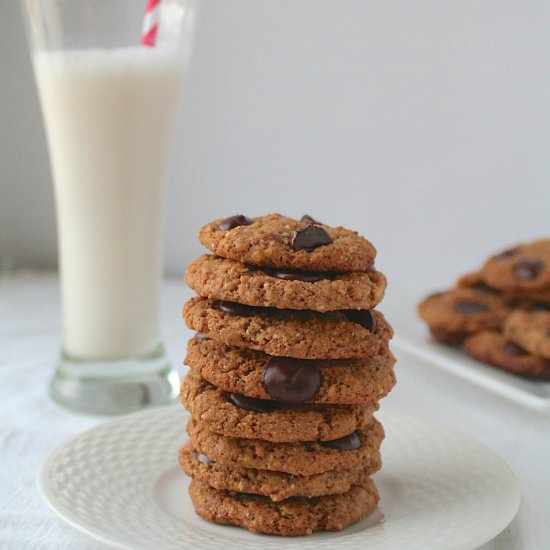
[(120, 484)]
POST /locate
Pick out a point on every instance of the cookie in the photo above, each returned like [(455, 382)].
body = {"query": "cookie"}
[(281, 242), (255, 374), (530, 330), (522, 269), (493, 348), (474, 280), (231, 281), (454, 314), (238, 416), (288, 333), (276, 485), (297, 458), (517, 298), (291, 517)]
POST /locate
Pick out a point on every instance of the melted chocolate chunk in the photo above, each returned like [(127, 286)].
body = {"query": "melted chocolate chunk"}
[(291, 380), (309, 238), (363, 317), (239, 309), (468, 307), (247, 496), (506, 254), (511, 349), (251, 404), (234, 221), (347, 443), (304, 276), (308, 219), (527, 270), (202, 458)]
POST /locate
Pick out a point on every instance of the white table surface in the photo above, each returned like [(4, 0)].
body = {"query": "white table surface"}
[(31, 425)]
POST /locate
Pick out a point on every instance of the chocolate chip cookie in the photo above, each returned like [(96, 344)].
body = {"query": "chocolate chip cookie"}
[(523, 269), (515, 298), (454, 314), (289, 333), (493, 348), (228, 280), (291, 517), (475, 281), (297, 458), (275, 485), (258, 375), (530, 330), (281, 242), (236, 415)]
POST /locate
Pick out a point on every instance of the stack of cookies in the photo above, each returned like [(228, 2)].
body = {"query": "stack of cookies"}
[(501, 313), (287, 367)]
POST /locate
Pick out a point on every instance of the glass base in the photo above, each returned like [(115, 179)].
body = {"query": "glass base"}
[(115, 387)]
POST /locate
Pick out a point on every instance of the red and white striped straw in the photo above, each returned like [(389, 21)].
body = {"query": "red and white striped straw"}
[(151, 23)]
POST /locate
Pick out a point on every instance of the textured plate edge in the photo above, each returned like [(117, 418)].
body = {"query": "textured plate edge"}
[(48, 498), (98, 536)]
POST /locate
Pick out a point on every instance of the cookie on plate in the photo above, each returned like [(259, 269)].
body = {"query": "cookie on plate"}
[(516, 298), (297, 458), (256, 374), (275, 485), (454, 314), (277, 241), (530, 330), (288, 333), (231, 281), (493, 348), (522, 270), (291, 517), (240, 416), (475, 281)]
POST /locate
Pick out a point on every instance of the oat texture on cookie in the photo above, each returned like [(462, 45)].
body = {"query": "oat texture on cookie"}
[(286, 370)]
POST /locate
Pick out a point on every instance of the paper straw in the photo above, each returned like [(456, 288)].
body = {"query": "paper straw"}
[(151, 23)]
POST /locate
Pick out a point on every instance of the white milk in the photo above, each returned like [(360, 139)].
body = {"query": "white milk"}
[(109, 116)]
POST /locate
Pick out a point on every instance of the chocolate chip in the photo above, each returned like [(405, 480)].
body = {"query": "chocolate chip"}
[(506, 254), (246, 496), (468, 307), (347, 443), (202, 458), (291, 380), (527, 270), (304, 276), (363, 317), (309, 238), (511, 349), (238, 309), (308, 219), (234, 221), (251, 404)]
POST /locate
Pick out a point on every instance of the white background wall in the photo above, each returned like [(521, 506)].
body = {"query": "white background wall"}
[(423, 124)]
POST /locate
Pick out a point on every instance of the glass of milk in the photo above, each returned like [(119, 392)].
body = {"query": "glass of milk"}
[(109, 100)]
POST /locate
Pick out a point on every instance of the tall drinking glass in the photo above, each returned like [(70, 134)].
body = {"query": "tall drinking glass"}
[(109, 89)]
